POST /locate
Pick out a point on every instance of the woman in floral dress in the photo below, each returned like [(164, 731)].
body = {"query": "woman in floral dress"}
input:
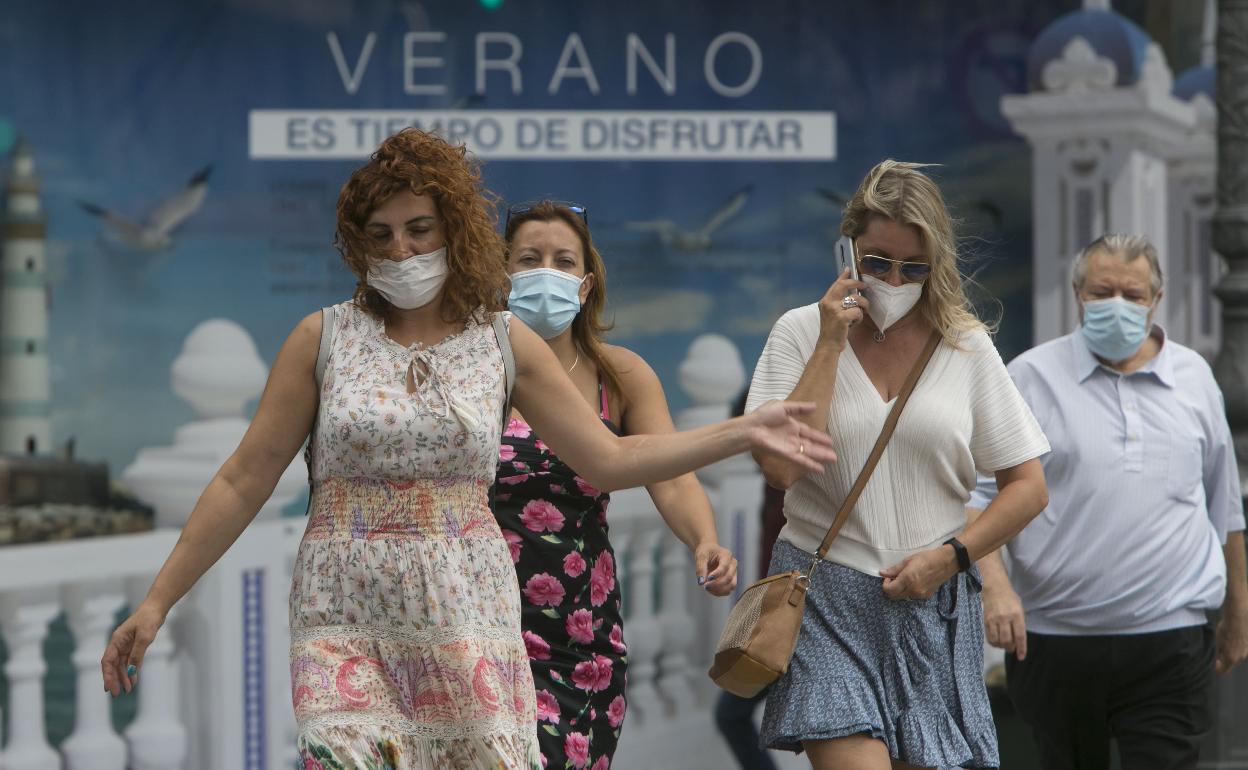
[(406, 651), (555, 521)]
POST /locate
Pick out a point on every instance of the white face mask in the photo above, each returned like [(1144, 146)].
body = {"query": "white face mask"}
[(412, 282), (889, 304)]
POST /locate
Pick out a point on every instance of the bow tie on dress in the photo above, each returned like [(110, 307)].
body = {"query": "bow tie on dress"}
[(468, 414)]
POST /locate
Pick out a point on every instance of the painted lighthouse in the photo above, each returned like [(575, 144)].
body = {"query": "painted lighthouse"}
[(25, 402)]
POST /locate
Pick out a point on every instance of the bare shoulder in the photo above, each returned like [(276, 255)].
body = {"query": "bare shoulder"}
[(632, 368), (307, 332), (303, 344)]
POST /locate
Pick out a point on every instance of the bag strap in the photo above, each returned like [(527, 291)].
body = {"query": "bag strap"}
[(873, 459), (322, 358), (509, 364), (327, 341)]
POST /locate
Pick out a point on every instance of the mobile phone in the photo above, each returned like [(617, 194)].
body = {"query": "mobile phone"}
[(845, 252)]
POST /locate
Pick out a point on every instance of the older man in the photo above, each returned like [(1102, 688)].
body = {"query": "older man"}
[(1106, 598)]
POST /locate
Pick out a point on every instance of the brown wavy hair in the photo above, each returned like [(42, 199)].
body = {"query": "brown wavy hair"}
[(588, 326), (426, 164), (903, 193)]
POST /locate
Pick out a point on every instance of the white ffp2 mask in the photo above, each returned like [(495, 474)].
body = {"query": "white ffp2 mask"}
[(889, 304)]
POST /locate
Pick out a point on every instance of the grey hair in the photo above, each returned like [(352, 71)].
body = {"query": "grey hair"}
[(1129, 248)]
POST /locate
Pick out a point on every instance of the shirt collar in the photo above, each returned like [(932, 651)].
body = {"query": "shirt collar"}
[(1161, 366)]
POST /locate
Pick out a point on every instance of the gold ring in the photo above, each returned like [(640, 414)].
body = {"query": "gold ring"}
[(801, 447)]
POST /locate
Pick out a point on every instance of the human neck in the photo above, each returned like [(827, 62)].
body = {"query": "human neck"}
[(424, 324), (1147, 352), (565, 348)]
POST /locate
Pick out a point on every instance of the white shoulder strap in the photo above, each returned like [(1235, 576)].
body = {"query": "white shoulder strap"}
[(327, 341), (322, 357), (509, 363)]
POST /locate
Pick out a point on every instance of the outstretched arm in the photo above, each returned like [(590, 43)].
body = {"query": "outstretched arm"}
[(553, 406), (231, 500)]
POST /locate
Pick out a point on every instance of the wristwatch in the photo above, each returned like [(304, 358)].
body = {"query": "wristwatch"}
[(964, 557)]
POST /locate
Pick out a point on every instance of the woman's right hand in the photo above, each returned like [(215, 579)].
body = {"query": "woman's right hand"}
[(834, 318), (124, 655)]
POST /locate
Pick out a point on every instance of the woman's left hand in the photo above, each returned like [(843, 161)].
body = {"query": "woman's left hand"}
[(716, 568), (918, 576)]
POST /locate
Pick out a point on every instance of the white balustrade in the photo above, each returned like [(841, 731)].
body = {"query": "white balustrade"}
[(204, 703), (24, 621), (91, 608)]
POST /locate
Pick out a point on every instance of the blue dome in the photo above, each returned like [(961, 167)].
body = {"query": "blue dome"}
[(1196, 80), (1109, 34)]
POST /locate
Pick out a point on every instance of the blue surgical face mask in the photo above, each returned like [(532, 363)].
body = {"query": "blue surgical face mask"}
[(1115, 328), (547, 300)]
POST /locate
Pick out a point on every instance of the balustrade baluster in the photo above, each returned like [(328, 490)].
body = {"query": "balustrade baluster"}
[(678, 631), (157, 737), (93, 745), (24, 622)]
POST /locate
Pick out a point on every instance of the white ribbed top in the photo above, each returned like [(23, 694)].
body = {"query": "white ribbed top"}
[(965, 415)]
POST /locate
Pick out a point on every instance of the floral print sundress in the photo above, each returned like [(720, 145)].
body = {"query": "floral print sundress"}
[(556, 526), (405, 649)]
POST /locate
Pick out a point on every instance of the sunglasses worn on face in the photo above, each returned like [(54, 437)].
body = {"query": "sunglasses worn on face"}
[(878, 267), (524, 208)]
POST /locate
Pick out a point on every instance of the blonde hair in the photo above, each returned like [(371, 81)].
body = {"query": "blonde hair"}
[(901, 192)]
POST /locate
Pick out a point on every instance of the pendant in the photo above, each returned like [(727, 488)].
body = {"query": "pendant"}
[(878, 336)]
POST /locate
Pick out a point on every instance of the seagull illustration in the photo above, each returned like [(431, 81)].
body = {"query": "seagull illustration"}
[(468, 100), (697, 240), (155, 233)]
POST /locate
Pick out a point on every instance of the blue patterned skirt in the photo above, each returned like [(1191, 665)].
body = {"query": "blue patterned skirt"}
[(909, 672)]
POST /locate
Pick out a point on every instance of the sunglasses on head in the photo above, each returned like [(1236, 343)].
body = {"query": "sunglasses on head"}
[(877, 267), (524, 208)]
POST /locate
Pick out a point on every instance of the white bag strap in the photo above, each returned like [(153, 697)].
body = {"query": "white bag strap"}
[(327, 341), (322, 358), (509, 364)]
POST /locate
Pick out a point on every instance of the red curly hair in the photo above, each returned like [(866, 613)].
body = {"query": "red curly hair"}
[(426, 164)]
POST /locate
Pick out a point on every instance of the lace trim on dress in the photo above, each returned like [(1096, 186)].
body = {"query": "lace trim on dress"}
[(477, 728), (430, 636)]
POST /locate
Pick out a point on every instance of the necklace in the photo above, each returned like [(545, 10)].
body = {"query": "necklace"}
[(878, 336), (575, 361)]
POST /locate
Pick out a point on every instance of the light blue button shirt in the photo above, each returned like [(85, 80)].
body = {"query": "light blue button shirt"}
[(1143, 488)]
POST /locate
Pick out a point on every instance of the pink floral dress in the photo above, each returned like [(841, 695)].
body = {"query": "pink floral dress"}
[(405, 650), (556, 525)]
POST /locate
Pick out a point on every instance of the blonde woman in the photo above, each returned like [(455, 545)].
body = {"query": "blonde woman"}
[(888, 666)]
